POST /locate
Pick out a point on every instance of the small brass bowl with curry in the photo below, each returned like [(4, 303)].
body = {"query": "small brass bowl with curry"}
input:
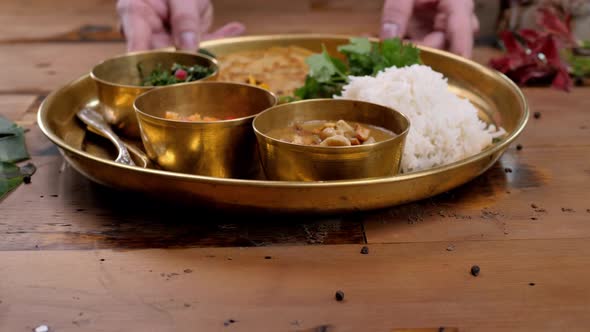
[(204, 128), (330, 139), (121, 79)]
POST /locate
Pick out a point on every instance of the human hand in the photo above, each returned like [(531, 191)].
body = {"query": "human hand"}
[(149, 24), (441, 24)]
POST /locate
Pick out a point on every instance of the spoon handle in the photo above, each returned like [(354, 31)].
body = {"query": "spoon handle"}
[(95, 120)]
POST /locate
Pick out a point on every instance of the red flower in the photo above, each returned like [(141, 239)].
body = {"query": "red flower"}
[(534, 56)]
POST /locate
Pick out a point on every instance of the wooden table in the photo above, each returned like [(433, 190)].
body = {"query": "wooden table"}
[(79, 257)]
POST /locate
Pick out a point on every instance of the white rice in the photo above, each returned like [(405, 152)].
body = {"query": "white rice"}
[(444, 128)]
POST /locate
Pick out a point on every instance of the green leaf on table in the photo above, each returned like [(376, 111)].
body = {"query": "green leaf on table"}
[(12, 142), (10, 177)]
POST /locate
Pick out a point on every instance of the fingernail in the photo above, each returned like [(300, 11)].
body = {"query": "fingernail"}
[(389, 30), (188, 40)]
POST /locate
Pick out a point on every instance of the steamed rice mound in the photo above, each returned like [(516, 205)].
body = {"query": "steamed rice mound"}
[(443, 127)]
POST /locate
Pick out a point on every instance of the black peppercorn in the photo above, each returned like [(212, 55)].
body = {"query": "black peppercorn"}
[(475, 270), (537, 115), (519, 147), (339, 295), (365, 250)]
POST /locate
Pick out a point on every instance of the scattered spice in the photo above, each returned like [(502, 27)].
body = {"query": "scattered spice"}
[(229, 322), (475, 270), (518, 147), (531, 283), (186, 305), (54, 195), (267, 257), (42, 328), (540, 210), (537, 115), (188, 271), (339, 295), (365, 250), (534, 218), (102, 259), (534, 206), (508, 170), (451, 247), (588, 210), (567, 210)]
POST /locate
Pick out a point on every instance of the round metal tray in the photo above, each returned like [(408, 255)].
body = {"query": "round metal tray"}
[(498, 99)]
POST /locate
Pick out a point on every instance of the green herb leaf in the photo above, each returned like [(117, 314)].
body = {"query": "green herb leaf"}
[(12, 142), (160, 77), (396, 54), (10, 178), (356, 46), (327, 74), (580, 65)]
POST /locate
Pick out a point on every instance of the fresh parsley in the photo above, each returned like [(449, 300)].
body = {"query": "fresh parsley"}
[(327, 75)]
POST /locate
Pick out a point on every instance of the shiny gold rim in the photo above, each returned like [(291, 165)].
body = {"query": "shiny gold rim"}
[(157, 119), (497, 147)]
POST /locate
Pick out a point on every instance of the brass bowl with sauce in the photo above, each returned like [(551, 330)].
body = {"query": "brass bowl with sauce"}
[(286, 161), (118, 82), (223, 148)]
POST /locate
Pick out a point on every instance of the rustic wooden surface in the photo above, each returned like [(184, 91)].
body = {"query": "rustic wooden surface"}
[(77, 256)]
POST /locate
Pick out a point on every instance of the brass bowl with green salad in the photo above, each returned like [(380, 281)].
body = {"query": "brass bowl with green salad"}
[(121, 79)]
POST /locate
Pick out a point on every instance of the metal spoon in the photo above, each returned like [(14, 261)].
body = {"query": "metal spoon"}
[(95, 121)]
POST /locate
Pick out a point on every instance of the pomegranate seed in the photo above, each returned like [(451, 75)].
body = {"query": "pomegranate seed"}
[(180, 74)]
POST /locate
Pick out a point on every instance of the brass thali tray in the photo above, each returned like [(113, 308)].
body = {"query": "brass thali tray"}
[(498, 99)]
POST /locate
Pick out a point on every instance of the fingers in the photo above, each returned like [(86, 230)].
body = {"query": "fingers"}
[(435, 39), (136, 28), (161, 40), (396, 14), (460, 26), (229, 30), (185, 23), (475, 24)]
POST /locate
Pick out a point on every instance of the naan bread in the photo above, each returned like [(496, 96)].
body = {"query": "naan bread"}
[(281, 69)]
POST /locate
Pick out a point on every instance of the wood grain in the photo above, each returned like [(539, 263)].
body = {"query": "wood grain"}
[(34, 20), (60, 209), (45, 67), (524, 285), (13, 107), (541, 198)]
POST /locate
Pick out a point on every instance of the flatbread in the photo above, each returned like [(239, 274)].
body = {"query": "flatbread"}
[(280, 69)]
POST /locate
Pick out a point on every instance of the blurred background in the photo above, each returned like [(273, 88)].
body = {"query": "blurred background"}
[(50, 35), (96, 19)]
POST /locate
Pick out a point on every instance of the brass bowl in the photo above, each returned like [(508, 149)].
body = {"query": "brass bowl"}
[(118, 82), (294, 162), (225, 148)]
